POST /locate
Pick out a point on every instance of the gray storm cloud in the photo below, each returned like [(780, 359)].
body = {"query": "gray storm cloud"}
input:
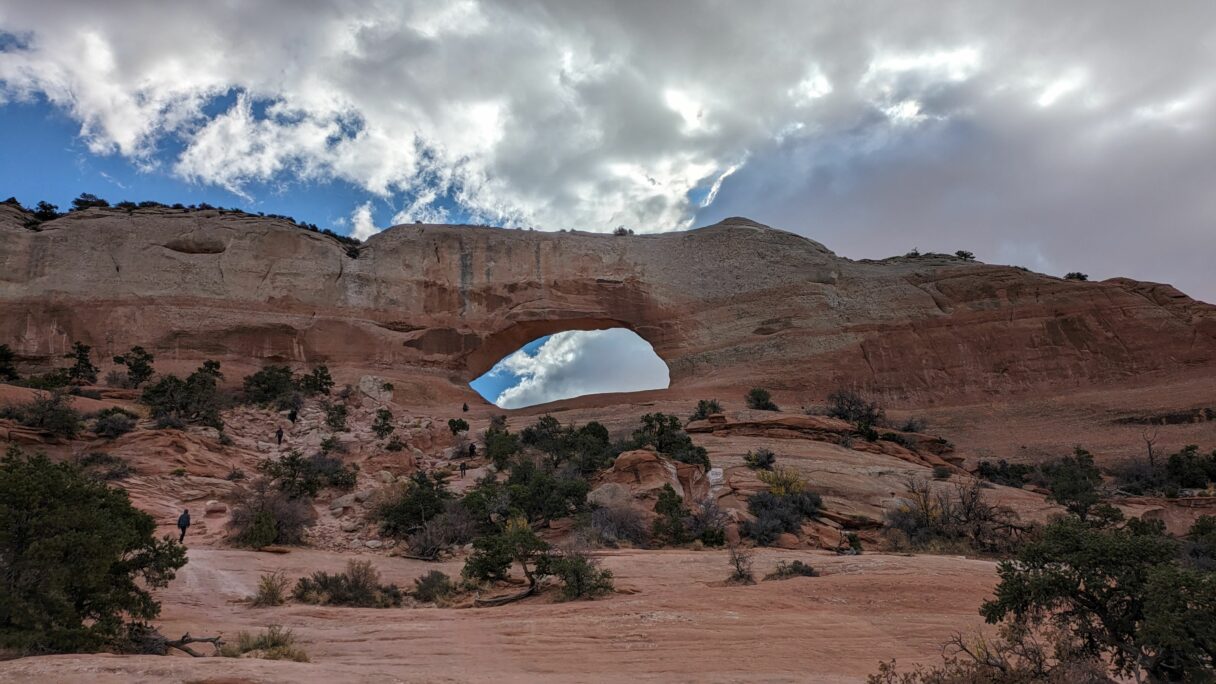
[(1061, 136)]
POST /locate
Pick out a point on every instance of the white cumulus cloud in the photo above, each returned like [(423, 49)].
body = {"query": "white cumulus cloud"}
[(575, 363), (1082, 127), (362, 226)]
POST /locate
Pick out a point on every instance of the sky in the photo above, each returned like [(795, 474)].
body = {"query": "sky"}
[(572, 364), (1062, 137)]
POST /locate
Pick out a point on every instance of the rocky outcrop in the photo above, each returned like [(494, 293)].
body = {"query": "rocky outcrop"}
[(643, 473), (429, 307)]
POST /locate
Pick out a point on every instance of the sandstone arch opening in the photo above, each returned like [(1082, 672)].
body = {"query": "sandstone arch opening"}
[(573, 363)]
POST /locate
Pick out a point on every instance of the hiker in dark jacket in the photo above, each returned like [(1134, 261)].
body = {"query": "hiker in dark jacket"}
[(278, 435), (183, 521), (472, 450)]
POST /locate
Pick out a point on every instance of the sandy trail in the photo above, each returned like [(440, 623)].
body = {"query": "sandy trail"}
[(671, 620)]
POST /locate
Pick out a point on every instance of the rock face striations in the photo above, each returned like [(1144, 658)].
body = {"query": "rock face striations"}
[(731, 305)]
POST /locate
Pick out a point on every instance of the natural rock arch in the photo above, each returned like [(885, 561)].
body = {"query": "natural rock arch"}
[(734, 305)]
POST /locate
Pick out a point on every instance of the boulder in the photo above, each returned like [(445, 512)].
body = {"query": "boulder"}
[(351, 526), (373, 543), (214, 507), (372, 387), (343, 502), (385, 476), (610, 494), (363, 495), (644, 472)]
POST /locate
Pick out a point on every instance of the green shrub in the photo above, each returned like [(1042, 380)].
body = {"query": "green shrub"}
[(270, 385), (588, 447), (850, 406), (359, 586), (51, 413), (707, 523), (335, 417), (53, 380), (272, 590), (787, 570), (663, 432), (1074, 481), (458, 425), (705, 409), (332, 471), (1005, 473), (1076, 275), (1017, 655), (78, 560), (196, 399), (1185, 469), (776, 514), (113, 422), (423, 497), (941, 472), (455, 525), (965, 255), (897, 438), (276, 643), (494, 554), (501, 445), (139, 366), (104, 466), (542, 495), (1117, 594), (581, 576), (741, 560), (760, 459), (262, 516), (8, 368), (433, 587), (1200, 545), (86, 393), (760, 400), (952, 517), (669, 526), (299, 477), (318, 381), (394, 444), (383, 425), (88, 200), (82, 370)]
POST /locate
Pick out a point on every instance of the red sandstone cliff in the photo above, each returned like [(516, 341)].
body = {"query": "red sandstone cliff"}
[(731, 305)]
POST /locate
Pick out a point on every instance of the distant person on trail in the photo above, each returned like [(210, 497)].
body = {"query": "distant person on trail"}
[(464, 467), (292, 415), (472, 450), (183, 522), (278, 435), (466, 408)]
